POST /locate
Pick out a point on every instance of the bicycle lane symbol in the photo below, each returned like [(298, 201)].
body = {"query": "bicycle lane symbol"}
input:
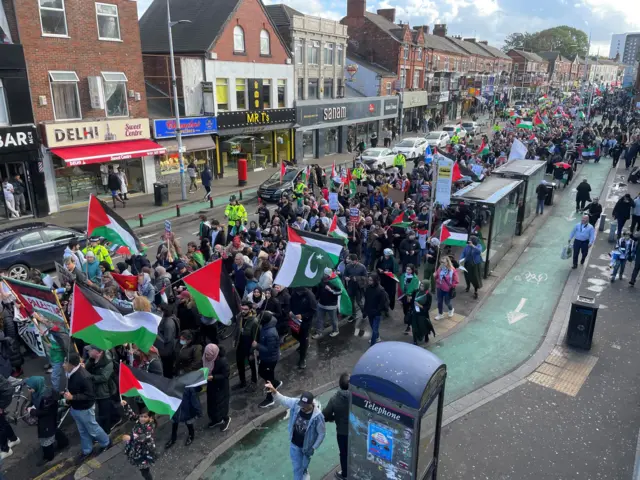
[(530, 277)]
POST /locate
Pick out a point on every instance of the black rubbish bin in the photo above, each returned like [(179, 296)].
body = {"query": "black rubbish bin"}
[(548, 199), (582, 322), (161, 194)]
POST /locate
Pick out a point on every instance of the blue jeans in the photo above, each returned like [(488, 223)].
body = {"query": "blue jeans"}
[(89, 429), (540, 206), (375, 327), (444, 298), (299, 461), (56, 377), (320, 316), (367, 257), (618, 266)]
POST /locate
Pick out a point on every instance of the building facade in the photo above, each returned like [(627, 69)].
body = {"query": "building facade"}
[(529, 73), (625, 47), (559, 70), (367, 79)]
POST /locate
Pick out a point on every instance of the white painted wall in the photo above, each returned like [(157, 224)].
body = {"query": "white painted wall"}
[(149, 173), (364, 81)]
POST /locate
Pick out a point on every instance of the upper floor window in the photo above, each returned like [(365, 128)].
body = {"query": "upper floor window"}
[(241, 97), (64, 92), (265, 43), (53, 18), (222, 94), (419, 54), (328, 53), (388, 88), (108, 23), (299, 52), (313, 52), (339, 55), (4, 111), (416, 79), (405, 53), (115, 94), (238, 39)]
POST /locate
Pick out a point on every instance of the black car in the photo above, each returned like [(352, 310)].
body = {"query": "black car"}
[(34, 245), (274, 187)]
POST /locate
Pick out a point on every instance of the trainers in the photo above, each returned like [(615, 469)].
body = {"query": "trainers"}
[(334, 334), (6, 454), (356, 332), (14, 443), (266, 403), (104, 449), (316, 336), (212, 425), (438, 317), (225, 424), (350, 319), (451, 312)]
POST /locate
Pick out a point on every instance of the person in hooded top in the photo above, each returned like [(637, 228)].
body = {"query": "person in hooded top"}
[(215, 361), (145, 287), (92, 268), (387, 268), (268, 348)]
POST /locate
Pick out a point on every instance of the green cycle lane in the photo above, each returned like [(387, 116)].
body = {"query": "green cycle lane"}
[(506, 330)]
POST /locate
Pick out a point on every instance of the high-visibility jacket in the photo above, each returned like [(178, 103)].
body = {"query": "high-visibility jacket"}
[(455, 139), (400, 161), (101, 253), (358, 173), (235, 212), (300, 187)]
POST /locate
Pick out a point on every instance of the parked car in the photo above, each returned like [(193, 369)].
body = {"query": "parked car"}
[(472, 128), (34, 245), (519, 104), (453, 129), (274, 187), (373, 157), (411, 147), (438, 138), (244, 144)]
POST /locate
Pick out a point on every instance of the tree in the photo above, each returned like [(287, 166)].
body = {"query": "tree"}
[(517, 41), (566, 40)]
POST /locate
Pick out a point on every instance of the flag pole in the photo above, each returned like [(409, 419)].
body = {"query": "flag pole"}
[(434, 179)]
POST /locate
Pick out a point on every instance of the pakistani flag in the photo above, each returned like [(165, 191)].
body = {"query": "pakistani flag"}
[(332, 246), (345, 306), (303, 265), (581, 115)]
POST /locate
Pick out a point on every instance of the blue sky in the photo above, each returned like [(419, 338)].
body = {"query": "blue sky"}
[(493, 20)]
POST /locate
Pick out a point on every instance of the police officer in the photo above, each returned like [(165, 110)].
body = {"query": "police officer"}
[(101, 253), (358, 172), (234, 212), (400, 162)]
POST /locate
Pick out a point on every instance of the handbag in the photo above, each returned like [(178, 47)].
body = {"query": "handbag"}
[(294, 325), (452, 292)]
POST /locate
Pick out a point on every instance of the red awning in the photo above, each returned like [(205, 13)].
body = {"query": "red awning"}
[(108, 152)]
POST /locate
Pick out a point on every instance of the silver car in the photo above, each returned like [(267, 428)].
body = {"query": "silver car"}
[(375, 157)]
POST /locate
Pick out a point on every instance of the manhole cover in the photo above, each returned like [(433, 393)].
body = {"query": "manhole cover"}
[(238, 404)]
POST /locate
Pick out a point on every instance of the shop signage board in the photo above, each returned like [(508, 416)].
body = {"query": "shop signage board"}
[(336, 111), (415, 99), (443, 97), (256, 118), (189, 126), (18, 139), (74, 134)]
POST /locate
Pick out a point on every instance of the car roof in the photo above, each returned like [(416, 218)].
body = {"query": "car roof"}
[(29, 227), (376, 149), (439, 132), (412, 138)]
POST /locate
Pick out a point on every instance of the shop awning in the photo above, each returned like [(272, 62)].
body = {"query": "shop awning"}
[(108, 152), (191, 144)]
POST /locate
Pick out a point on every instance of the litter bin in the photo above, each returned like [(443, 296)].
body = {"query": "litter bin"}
[(161, 194), (548, 199), (582, 322)]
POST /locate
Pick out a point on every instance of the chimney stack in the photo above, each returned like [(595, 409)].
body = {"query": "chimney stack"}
[(472, 40), (388, 13), (483, 42), (356, 8), (425, 29), (440, 29)]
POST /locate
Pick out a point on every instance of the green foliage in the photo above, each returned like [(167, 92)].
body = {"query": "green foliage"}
[(567, 40)]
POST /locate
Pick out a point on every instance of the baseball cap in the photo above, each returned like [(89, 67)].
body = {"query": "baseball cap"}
[(306, 399)]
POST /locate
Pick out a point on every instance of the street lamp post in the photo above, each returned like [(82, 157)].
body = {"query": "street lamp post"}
[(170, 25)]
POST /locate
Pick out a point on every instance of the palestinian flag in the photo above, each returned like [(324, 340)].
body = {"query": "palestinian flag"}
[(331, 246), (304, 264), (160, 394), (483, 149), (345, 307), (455, 173), (336, 231), (104, 222), (524, 124), (400, 222), (126, 282), (453, 238), (97, 321), (213, 292), (391, 275), (537, 120), (283, 170)]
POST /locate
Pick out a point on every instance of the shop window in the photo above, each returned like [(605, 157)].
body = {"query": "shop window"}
[(108, 22), (340, 55), (53, 18), (308, 150), (330, 140), (241, 94), (238, 39), (265, 43), (222, 94), (328, 53), (300, 88), (4, 111), (282, 89), (64, 92), (327, 88), (266, 93), (313, 53), (312, 88), (299, 52), (115, 94)]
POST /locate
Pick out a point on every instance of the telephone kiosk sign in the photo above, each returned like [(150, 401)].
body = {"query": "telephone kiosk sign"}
[(395, 413)]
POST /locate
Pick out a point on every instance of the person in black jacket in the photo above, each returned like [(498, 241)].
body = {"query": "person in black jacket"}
[(8, 438), (303, 307), (114, 184), (168, 331), (541, 194), (337, 410), (622, 212), (376, 302), (594, 210), (281, 295), (44, 406), (409, 250), (268, 349), (583, 191), (81, 399), (215, 360), (100, 366)]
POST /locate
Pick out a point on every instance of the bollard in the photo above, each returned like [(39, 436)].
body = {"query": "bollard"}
[(603, 222), (140, 217), (177, 210), (240, 194), (613, 227), (210, 202)]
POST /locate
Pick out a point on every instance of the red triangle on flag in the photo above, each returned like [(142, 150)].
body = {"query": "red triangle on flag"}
[(398, 219), (482, 145), (455, 174), (127, 380), (83, 314), (206, 280), (294, 236), (444, 233), (97, 216)]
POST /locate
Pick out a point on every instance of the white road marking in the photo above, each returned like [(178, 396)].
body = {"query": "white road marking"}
[(516, 315), (148, 236)]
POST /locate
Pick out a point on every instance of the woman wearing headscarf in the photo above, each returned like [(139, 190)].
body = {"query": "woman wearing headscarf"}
[(145, 287), (407, 286), (217, 386), (420, 324), (92, 268), (472, 257), (45, 408), (162, 285), (256, 297), (387, 268)]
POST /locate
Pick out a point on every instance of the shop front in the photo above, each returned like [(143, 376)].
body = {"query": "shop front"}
[(198, 144), (438, 103), (414, 109), (337, 126), (20, 165), (77, 157), (264, 138)]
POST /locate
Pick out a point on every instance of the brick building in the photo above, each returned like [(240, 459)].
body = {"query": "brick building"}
[(529, 73), (559, 69), (235, 84), (87, 91)]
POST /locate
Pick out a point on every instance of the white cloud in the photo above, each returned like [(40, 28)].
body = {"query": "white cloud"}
[(629, 11)]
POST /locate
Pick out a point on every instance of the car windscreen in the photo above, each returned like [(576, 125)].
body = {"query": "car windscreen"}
[(288, 176), (406, 143), (433, 136), (371, 153)]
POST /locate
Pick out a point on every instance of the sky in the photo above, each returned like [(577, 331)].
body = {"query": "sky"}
[(493, 20)]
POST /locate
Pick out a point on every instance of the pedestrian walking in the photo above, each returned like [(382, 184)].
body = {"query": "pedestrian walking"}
[(9, 199), (622, 211), (114, 184), (446, 283), (246, 333), (472, 258), (215, 360), (421, 326), (635, 215), (582, 195), (140, 446), (19, 190), (541, 194), (625, 250), (303, 307), (407, 285), (583, 236), (8, 438), (355, 280), (192, 171), (337, 410), (306, 429), (387, 268), (100, 367), (268, 350), (327, 298), (376, 304), (205, 178), (594, 210), (124, 182), (387, 137)]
